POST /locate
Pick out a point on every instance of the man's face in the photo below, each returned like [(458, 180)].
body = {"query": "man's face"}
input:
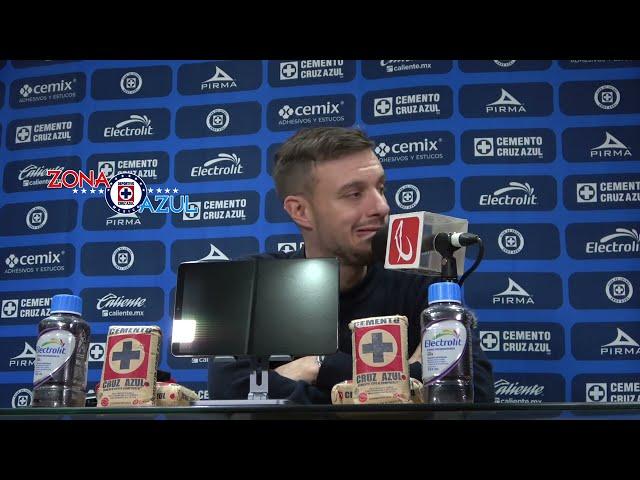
[(348, 206)]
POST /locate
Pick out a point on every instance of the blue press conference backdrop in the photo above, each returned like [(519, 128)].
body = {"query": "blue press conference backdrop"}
[(541, 156)]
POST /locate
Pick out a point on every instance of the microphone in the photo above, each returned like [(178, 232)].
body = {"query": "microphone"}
[(405, 245), (445, 243)]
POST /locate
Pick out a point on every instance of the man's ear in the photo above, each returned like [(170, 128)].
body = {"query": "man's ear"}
[(299, 209)]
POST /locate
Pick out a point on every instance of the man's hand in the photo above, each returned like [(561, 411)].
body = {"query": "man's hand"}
[(305, 368), (417, 355)]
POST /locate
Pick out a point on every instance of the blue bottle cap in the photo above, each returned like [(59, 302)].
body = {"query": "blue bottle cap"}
[(444, 292), (66, 304)]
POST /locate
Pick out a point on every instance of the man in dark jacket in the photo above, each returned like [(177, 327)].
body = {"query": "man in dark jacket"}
[(332, 185)]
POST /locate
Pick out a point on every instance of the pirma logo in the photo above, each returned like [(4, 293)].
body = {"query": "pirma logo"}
[(611, 148), (219, 80), (507, 103), (622, 345), (514, 294), (214, 254), (25, 359)]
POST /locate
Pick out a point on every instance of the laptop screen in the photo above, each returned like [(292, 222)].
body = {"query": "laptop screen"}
[(257, 307)]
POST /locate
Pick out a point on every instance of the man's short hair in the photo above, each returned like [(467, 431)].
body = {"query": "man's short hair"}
[(296, 157)]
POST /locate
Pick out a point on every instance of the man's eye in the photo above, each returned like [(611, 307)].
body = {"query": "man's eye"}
[(355, 194), (381, 189)]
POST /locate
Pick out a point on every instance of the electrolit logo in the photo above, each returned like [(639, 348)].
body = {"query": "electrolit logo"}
[(443, 345), (54, 346), (524, 195), (623, 241), (440, 340)]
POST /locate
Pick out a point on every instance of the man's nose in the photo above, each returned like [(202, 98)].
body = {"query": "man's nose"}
[(380, 207)]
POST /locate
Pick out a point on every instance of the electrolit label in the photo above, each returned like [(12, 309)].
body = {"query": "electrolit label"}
[(53, 350), (442, 346)]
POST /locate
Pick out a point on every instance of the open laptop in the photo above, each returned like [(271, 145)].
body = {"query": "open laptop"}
[(260, 307)]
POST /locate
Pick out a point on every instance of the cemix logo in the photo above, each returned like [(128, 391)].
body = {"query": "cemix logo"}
[(327, 108), (48, 258), (424, 146), (45, 88)]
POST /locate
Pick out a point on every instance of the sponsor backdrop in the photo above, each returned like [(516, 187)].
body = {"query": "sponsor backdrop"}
[(540, 156)]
